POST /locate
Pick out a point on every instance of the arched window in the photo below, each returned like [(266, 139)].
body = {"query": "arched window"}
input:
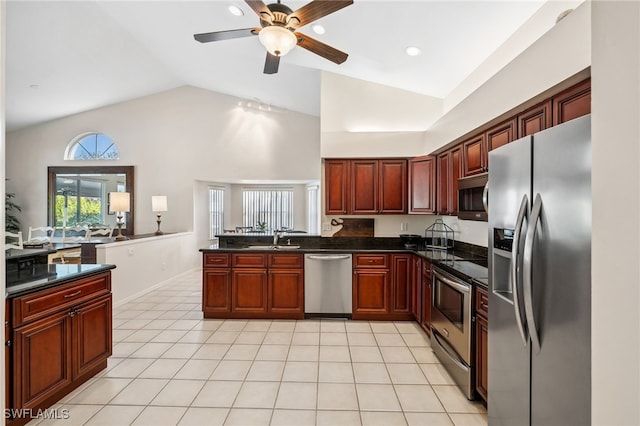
[(92, 146)]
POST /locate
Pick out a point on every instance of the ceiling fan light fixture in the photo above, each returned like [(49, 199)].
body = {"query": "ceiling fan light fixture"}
[(277, 40), (235, 10)]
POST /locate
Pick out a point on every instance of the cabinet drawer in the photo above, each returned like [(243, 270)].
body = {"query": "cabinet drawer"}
[(42, 303), (285, 261), (482, 302), (249, 260), (215, 260), (371, 261)]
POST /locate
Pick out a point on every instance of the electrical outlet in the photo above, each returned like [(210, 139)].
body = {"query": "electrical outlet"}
[(404, 226), (326, 227), (130, 252)]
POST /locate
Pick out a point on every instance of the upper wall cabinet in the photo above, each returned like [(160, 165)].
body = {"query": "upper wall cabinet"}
[(449, 171), (535, 119), (501, 134), (336, 186), (422, 185), (572, 103), (474, 153), (366, 186)]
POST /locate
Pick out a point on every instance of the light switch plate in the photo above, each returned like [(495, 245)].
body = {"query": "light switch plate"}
[(326, 227)]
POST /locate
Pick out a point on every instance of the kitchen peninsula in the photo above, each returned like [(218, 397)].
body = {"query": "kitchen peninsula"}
[(57, 329)]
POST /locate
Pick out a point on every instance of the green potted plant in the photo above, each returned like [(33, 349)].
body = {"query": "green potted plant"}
[(11, 222)]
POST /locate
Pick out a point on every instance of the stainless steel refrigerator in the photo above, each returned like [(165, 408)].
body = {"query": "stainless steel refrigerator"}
[(540, 278)]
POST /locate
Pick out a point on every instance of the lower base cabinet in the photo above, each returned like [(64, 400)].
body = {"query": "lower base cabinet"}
[(425, 317), (60, 338), (482, 335), (253, 285)]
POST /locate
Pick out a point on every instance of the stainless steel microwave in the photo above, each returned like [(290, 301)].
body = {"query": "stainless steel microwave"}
[(473, 197)]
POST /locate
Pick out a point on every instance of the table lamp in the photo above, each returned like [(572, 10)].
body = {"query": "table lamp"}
[(119, 202), (158, 205)]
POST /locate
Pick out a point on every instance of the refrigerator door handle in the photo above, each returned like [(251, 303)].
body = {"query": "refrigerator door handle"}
[(485, 197), (515, 262), (527, 272)]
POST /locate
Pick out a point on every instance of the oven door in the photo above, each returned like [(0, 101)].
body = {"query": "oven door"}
[(451, 312)]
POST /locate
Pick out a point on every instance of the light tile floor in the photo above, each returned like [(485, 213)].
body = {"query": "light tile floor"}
[(171, 367)]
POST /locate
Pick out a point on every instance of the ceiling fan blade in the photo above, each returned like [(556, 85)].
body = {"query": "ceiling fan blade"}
[(319, 48), (260, 9), (316, 10), (271, 64), (226, 35)]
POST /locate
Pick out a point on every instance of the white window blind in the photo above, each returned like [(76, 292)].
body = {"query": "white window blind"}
[(313, 203), (216, 211), (271, 207)]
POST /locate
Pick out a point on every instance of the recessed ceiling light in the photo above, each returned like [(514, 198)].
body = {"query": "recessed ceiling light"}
[(318, 29), (235, 10), (413, 51)]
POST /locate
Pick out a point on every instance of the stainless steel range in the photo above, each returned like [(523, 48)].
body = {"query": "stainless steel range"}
[(451, 327)]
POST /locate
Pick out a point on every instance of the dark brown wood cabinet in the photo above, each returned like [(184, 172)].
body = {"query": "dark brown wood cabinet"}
[(482, 334), (474, 156), (422, 185), (535, 119), (366, 186), (425, 318), (253, 285), (500, 135), (371, 281), (216, 284), (572, 103), (449, 171), (336, 186), (401, 301), (60, 338), (416, 288)]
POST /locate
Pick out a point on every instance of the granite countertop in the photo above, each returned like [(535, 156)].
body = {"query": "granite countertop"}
[(21, 253), (43, 276)]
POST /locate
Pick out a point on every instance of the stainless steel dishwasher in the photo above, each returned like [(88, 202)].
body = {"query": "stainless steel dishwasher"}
[(327, 285)]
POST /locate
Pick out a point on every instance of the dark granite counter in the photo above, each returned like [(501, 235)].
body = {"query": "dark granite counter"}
[(13, 254), (467, 261), (42, 276)]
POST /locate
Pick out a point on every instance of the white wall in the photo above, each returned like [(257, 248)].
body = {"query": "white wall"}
[(162, 257), (173, 139), (615, 289)]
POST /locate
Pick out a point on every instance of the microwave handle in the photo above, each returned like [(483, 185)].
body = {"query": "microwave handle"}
[(485, 197)]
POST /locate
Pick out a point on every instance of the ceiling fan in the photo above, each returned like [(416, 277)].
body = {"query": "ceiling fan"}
[(279, 32)]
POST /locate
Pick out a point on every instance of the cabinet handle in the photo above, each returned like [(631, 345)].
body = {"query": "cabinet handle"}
[(8, 343), (370, 261), (72, 313), (66, 296)]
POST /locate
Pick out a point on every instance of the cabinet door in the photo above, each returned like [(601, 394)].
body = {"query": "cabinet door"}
[(371, 291), (8, 380), (41, 359), (482, 334), (426, 296), (364, 186), (535, 119), (92, 335), (392, 176), (249, 291), (444, 183), (216, 291), (336, 179), (422, 185), (500, 135), (400, 284), (286, 291), (474, 156), (455, 167), (572, 103), (416, 278)]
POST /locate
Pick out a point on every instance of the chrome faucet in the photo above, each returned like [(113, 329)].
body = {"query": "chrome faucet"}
[(276, 236)]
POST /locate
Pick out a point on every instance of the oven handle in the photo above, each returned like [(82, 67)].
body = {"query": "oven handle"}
[(464, 288), (527, 272), (452, 355), (515, 252)]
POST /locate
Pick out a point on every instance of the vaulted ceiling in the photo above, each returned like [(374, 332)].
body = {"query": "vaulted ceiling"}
[(64, 57)]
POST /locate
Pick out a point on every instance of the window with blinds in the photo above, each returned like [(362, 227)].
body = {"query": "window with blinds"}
[(267, 209), (216, 211)]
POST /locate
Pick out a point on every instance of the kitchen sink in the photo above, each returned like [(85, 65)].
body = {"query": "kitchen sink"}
[(275, 247)]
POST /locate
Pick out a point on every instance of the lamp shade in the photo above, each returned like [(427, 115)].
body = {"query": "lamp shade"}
[(159, 203), (119, 202), (277, 40)]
